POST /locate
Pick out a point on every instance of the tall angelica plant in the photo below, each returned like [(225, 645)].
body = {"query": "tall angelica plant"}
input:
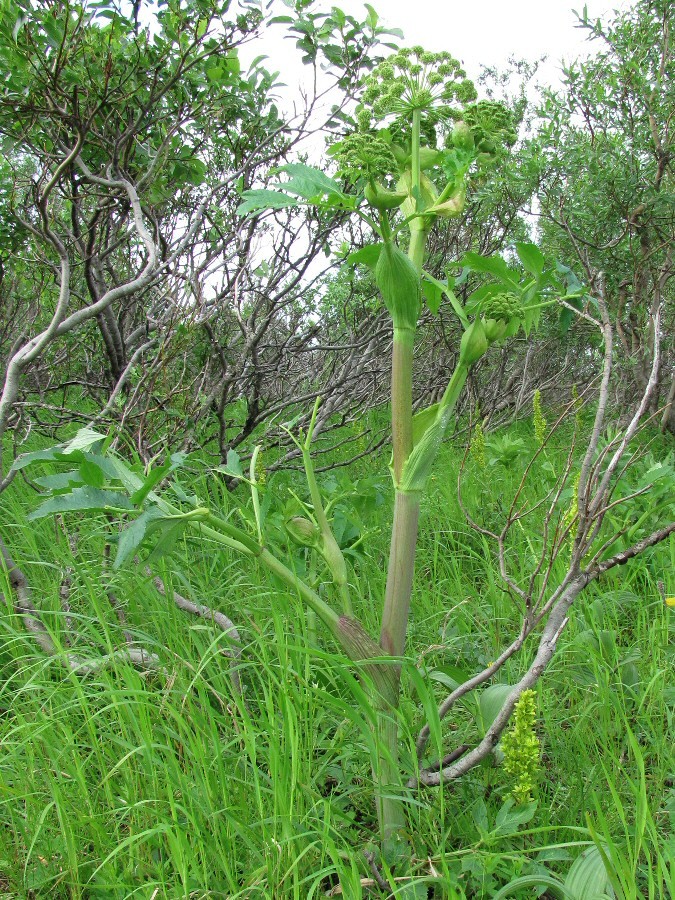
[(399, 183)]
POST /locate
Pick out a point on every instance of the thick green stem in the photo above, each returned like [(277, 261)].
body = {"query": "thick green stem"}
[(401, 568), (400, 573), (387, 776), (401, 399), (415, 152)]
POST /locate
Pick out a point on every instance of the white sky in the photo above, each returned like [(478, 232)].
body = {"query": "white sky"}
[(478, 32)]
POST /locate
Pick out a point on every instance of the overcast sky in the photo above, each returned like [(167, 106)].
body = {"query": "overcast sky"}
[(477, 32), (489, 31)]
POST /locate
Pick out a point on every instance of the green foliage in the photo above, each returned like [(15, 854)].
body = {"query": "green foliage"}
[(134, 765), (478, 444)]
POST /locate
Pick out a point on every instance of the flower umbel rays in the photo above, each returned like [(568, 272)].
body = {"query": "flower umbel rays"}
[(414, 79)]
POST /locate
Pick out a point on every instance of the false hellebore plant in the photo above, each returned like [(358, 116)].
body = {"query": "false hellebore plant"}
[(400, 183)]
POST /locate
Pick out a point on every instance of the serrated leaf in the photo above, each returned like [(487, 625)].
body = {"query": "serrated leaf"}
[(50, 455), (232, 465), (531, 257), (510, 817), (82, 498), (479, 815), (490, 265), (60, 481), (372, 18), (259, 200), (308, 182), (133, 535), (91, 474), (433, 294), (85, 439)]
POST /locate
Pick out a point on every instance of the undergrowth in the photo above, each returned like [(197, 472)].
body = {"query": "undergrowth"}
[(171, 785)]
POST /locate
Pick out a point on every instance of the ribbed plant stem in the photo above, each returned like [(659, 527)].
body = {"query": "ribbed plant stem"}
[(387, 774), (390, 811)]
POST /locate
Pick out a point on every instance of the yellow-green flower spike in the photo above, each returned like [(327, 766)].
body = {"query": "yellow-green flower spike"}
[(540, 423), (520, 746)]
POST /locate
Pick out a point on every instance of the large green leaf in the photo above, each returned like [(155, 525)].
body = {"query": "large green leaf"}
[(83, 498), (490, 265), (232, 465), (256, 201), (366, 256), (511, 816), (531, 257), (490, 702), (308, 182), (133, 535), (587, 878), (85, 439)]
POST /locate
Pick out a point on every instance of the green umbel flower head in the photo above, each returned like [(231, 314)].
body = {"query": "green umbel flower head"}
[(502, 306), (492, 125), (501, 315), (415, 79), (363, 155)]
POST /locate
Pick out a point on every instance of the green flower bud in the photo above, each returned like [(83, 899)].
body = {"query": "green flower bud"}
[(303, 532), (474, 343), (427, 193), (429, 157), (502, 306), (462, 138), (487, 146), (494, 329), (399, 283), (363, 119), (453, 206), (380, 198)]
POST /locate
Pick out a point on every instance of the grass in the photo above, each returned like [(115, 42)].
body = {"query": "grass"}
[(169, 785)]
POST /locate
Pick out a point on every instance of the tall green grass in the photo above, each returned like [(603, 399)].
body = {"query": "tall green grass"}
[(170, 785)]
